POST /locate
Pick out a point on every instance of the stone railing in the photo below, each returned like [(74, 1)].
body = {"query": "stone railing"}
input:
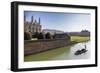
[(36, 46)]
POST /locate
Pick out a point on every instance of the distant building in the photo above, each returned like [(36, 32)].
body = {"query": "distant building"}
[(85, 33), (32, 26), (82, 33)]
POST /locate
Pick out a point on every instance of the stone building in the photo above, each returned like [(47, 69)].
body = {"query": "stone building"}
[(62, 36), (32, 26)]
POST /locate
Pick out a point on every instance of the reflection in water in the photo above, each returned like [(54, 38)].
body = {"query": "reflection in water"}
[(64, 53)]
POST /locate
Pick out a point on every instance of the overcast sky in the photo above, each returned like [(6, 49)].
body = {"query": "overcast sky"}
[(61, 21)]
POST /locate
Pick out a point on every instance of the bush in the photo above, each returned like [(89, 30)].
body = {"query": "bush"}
[(48, 36), (27, 36), (36, 34), (40, 36)]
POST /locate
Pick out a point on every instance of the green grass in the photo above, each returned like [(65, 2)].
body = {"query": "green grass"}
[(48, 55), (79, 39)]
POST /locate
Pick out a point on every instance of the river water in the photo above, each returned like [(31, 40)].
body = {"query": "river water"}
[(64, 53)]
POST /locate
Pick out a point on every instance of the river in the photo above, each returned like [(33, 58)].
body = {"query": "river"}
[(64, 53)]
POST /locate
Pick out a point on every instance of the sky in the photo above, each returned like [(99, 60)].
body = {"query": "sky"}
[(67, 22)]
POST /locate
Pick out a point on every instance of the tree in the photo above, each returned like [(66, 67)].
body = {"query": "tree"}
[(27, 36), (48, 36)]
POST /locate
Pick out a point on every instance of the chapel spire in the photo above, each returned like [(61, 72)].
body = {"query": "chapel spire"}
[(32, 19), (39, 20), (24, 18)]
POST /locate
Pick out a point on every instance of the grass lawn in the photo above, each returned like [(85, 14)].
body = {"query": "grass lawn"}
[(80, 38), (55, 54)]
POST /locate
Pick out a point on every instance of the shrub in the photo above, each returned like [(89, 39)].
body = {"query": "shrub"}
[(40, 36), (36, 34), (48, 36), (27, 36)]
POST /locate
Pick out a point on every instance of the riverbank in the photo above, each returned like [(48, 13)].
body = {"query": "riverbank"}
[(47, 55), (63, 53)]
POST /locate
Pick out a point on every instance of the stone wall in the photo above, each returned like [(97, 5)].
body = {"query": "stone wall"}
[(36, 46)]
